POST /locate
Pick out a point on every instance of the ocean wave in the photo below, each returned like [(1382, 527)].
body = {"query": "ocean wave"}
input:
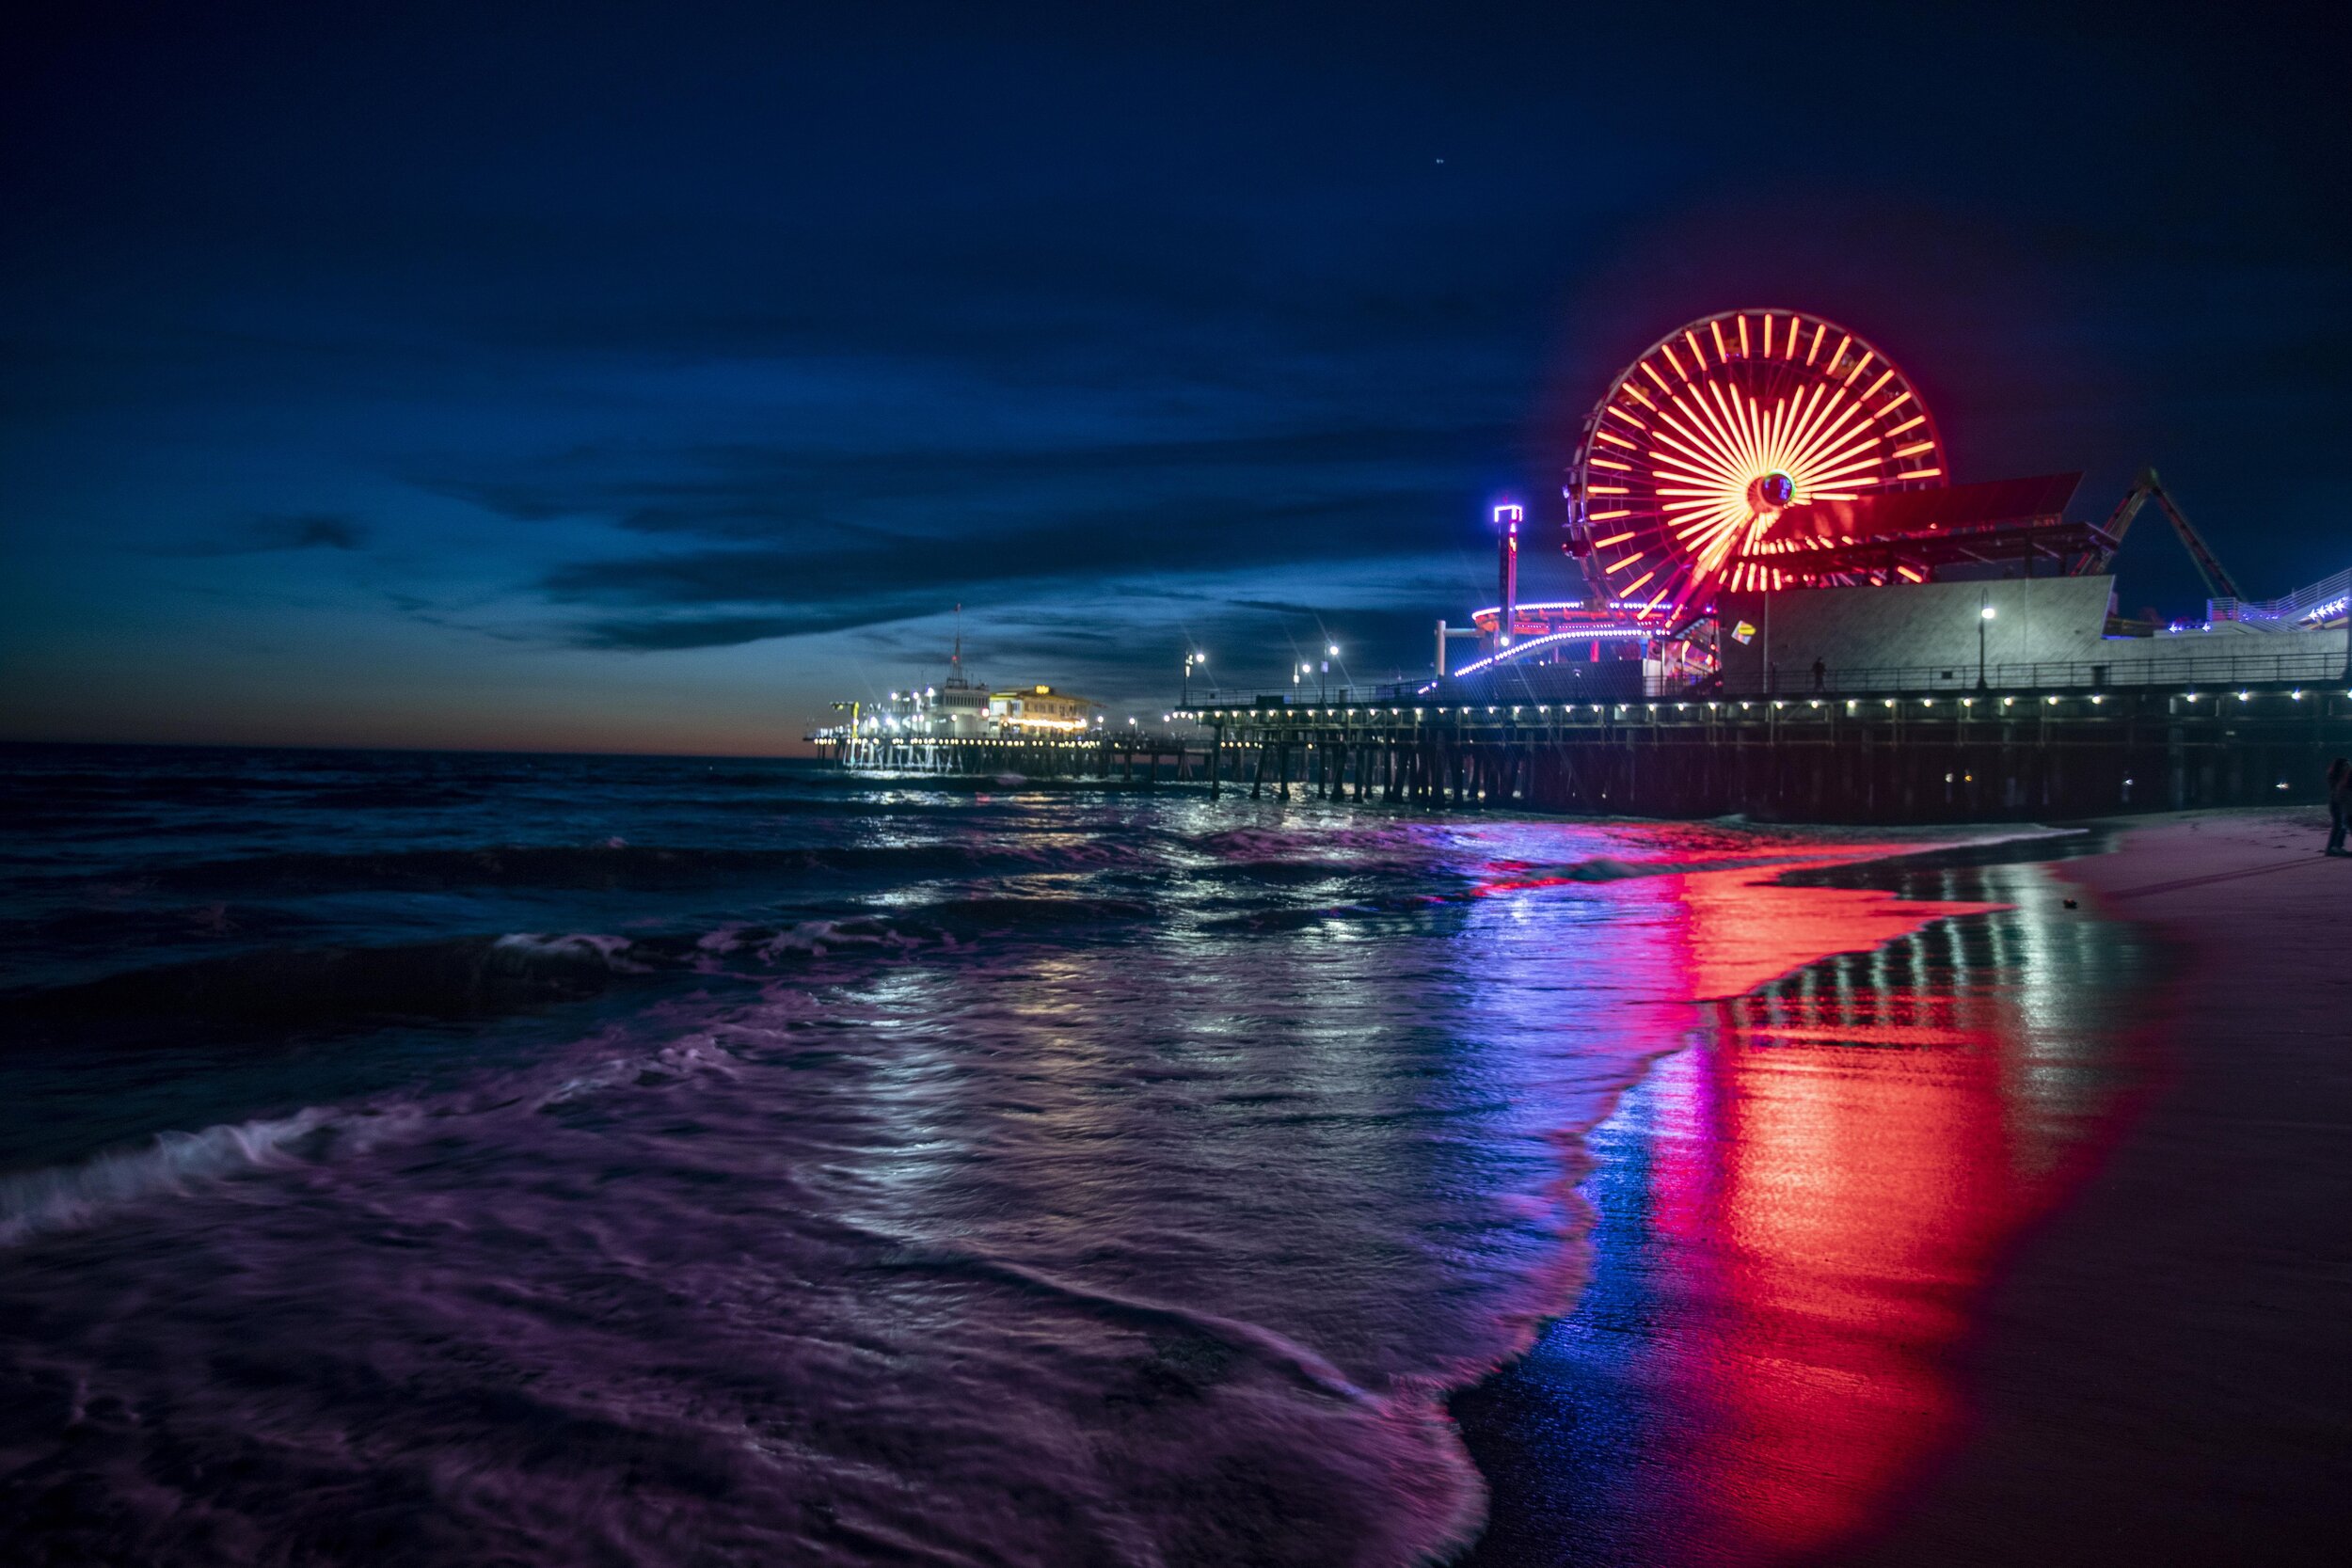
[(1267, 844), (289, 989), (619, 866), (285, 988), (1300, 1363), (45, 1202), (947, 922), (584, 945)]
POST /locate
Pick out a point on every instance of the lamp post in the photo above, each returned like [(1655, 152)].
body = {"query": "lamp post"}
[(1192, 660), (1330, 652), (1984, 616)]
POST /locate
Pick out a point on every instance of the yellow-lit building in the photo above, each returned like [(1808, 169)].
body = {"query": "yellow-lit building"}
[(1041, 708)]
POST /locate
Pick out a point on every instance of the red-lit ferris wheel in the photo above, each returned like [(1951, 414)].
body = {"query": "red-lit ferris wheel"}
[(1719, 428)]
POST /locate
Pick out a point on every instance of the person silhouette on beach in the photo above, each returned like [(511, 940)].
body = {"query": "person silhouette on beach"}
[(2339, 804)]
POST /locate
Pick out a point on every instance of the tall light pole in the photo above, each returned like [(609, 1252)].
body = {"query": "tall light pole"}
[(1984, 618), (1193, 660), (1330, 652)]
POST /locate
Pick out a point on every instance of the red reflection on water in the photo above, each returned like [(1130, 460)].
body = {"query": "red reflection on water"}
[(1831, 1181)]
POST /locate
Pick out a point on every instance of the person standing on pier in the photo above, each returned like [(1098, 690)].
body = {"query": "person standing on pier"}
[(2339, 804), (1820, 674)]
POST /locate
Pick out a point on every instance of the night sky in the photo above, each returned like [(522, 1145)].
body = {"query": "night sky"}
[(595, 377)]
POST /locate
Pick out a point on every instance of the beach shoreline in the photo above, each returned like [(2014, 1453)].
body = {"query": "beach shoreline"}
[(2157, 1375)]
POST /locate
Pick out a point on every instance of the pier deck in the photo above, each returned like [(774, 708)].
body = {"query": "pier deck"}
[(1977, 755)]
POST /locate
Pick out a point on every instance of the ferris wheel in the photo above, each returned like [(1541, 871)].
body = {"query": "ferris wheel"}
[(1717, 429)]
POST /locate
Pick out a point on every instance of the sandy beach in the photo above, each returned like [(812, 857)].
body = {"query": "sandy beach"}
[(2161, 1376)]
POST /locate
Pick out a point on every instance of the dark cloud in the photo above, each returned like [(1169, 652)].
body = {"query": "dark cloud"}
[(301, 531), (855, 577)]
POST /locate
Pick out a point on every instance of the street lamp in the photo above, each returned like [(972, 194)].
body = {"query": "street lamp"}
[(1192, 661), (1330, 652), (1984, 614)]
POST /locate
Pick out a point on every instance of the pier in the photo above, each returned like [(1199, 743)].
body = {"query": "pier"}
[(1883, 757), (2018, 752)]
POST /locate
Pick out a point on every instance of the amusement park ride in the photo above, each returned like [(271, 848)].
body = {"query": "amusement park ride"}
[(1763, 449)]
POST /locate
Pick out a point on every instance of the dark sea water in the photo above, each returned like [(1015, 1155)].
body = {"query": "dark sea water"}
[(459, 1158)]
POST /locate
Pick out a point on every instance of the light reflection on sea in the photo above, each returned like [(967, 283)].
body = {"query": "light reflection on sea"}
[(635, 1160), (1796, 1218)]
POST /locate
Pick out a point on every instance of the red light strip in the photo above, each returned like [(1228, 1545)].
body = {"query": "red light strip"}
[(1744, 337), (1821, 330)]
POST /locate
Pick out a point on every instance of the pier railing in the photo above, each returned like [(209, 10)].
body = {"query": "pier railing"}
[(2085, 674)]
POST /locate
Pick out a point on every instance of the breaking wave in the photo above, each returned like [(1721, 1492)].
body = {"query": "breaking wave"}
[(34, 1203)]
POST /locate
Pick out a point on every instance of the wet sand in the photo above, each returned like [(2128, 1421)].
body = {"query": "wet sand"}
[(2021, 1240), (2163, 1375)]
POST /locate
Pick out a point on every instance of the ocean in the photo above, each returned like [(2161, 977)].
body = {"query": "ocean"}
[(425, 1158)]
